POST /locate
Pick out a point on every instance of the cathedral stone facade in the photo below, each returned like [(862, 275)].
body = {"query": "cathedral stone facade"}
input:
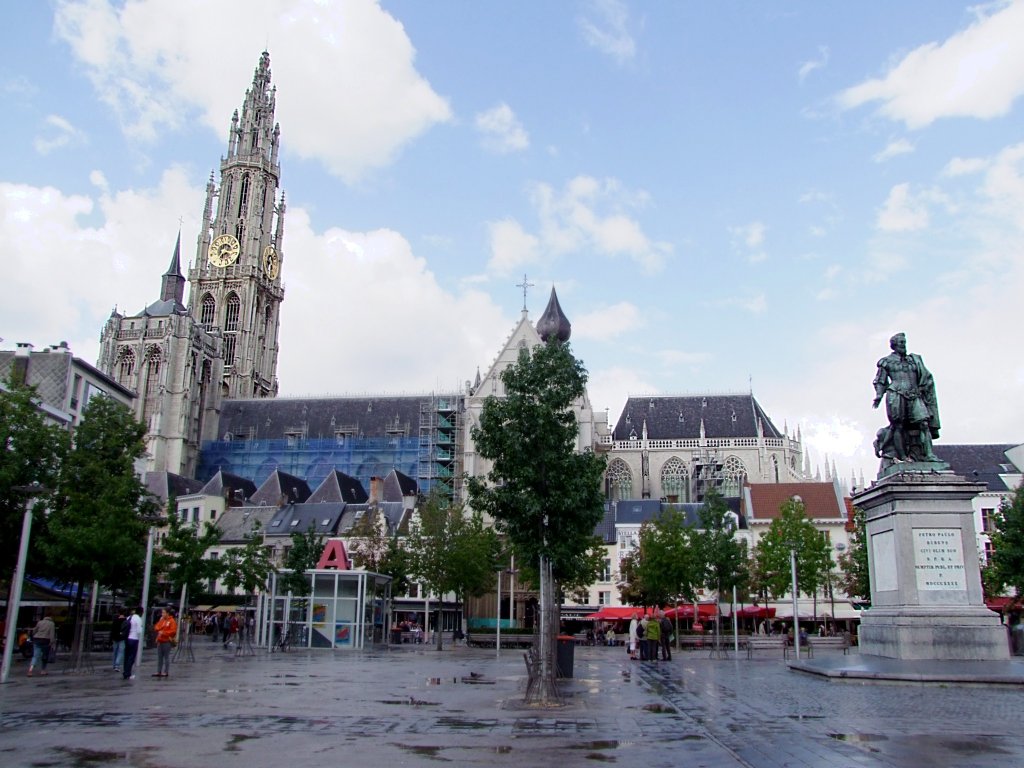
[(183, 360)]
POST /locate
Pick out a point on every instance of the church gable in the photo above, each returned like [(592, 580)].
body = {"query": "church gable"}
[(524, 336)]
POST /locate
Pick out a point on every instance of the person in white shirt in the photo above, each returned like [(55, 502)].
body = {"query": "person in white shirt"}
[(131, 643)]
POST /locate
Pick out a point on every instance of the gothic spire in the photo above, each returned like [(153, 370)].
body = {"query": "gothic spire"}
[(172, 287), (554, 322)]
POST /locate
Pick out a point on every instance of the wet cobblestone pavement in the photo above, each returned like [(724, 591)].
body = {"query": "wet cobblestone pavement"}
[(414, 706)]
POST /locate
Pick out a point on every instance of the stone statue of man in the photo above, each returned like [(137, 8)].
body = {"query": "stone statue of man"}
[(910, 404)]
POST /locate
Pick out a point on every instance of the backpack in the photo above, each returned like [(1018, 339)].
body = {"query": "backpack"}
[(639, 630)]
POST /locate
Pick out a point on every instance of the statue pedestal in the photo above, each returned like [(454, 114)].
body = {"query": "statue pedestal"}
[(926, 598)]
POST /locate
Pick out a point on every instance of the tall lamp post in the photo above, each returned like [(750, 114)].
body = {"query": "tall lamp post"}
[(796, 615), (145, 589), (14, 601), (497, 643)]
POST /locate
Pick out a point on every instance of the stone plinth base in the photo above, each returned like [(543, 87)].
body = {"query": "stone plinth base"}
[(953, 634)]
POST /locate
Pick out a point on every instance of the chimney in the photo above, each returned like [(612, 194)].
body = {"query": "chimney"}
[(376, 485), (24, 349)]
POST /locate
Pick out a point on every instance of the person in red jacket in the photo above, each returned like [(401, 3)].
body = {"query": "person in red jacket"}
[(166, 633)]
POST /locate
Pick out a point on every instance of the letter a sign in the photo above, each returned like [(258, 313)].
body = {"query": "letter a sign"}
[(334, 556)]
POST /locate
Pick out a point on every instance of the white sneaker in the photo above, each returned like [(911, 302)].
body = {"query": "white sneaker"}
[(132, 677)]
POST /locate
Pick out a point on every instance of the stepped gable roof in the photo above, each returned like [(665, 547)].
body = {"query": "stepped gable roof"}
[(822, 501), (163, 485), (276, 418), (338, 487), (321, 517), (675, 418), (281, 488), (238, 522), (228, 485), (984, 463), (397, 485)]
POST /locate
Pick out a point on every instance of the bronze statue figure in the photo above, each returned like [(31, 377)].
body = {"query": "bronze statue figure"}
[(910, 403)]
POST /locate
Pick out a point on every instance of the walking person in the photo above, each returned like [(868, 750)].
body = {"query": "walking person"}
[(641, 638), (118, 633), (166, 633), (131, 643), (43, 637)]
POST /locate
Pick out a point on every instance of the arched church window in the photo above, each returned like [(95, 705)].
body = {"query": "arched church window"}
[(675, 481), (126, 366), (620, 480), (229, 349), (207, 310), (734, 474), (153, 360), (232, 313), (243, 196)]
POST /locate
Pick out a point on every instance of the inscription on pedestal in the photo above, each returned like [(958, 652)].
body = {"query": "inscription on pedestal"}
[(939, 559)]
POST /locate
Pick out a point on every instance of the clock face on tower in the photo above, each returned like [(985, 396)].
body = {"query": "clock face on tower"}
[(224, 250), (271, 262)]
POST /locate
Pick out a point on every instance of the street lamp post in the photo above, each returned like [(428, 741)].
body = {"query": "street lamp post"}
[(796, 615), (497, 643), (14, 600), (145, 599)]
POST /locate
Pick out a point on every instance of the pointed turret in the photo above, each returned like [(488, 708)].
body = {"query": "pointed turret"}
[(173, 285), (554, 323)]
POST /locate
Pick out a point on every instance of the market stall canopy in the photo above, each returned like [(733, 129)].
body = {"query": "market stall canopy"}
[(617, 613), (755, 612), (704, 611)]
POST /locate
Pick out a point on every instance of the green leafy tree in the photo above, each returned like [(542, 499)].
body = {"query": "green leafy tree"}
[(248, 566), (668, 567), (303, 555), (542, 494), (587, 571), (792, 529), (102, 512), (854, 578), (372, 547), (33, 454), (721, 556), (452, 552), (182, 556), (1008, 543)]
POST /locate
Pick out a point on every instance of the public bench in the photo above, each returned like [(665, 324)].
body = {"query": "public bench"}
[(766, 643), (839, 643), (508, 639)]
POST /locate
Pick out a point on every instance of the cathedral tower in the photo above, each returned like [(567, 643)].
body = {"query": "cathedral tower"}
[(235, 284)]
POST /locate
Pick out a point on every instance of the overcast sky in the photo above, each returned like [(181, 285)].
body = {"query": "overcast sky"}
[(727, 196)]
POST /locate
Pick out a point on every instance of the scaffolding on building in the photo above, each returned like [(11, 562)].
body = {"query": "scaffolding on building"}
[(440, 446)]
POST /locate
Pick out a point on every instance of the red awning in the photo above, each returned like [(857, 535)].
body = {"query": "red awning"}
[(685, 611), (616, 613), (1000, 604), (755, 612)]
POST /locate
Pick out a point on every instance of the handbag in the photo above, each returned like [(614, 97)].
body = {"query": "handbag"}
[(51, 655)]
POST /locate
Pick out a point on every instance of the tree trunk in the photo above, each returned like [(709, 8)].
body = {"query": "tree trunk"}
[(437, 631), (545, 691)]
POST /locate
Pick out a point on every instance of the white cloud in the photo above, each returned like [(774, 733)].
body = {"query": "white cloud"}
[(750, 239), (977, 72), (592, 215), (755, 304), (608, 322), (405, 333), (511, 247), (964, 166), (502, 132), (57, 133), (677, 357), (606, 28), (902, 212), (333, 61), (610, 388), (893, 149), (812, 64)]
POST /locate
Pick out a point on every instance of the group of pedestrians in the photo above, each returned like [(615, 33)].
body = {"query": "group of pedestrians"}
[(649, 635), (127, 632)]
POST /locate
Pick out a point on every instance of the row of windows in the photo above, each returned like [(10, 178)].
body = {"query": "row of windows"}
[(676, 482)]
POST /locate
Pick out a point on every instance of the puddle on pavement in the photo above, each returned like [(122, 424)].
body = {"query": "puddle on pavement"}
[(230, 690), (660, 709), (471, 679), (237, 739), (411, 702), (91, 758), (859, 738), (421, 750)]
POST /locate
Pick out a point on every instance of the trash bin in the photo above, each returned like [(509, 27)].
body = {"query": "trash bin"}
[(565, 655), (396, 636)]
